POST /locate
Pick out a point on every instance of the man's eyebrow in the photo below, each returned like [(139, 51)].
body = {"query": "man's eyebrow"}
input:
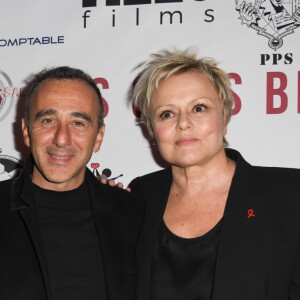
[(81, 115), (50, 112), (43, 113)]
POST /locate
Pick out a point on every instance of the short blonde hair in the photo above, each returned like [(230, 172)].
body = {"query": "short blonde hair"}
[(165, 63)]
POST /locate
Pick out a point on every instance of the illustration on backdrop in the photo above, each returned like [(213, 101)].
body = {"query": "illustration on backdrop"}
[(8, 93), (9, 166), (107, 172), (273, 19)]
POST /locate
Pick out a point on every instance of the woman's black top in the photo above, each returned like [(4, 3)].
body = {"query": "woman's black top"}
[(183, 269)]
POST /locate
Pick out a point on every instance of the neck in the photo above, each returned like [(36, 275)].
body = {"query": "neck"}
[(63, 186), (204, 177)]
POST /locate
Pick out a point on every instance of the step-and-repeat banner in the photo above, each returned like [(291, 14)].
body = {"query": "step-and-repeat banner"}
[(256, 41)]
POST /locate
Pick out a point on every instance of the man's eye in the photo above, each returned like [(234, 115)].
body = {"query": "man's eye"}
[(165, 114), (200, 107), (78, 124), (47, 121)]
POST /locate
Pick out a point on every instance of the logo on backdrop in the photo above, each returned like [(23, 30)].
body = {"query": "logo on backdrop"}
[(9, 166), (273, 19), (104, 85), (7, 95), (165, 17), (32, 41), (106, 171)]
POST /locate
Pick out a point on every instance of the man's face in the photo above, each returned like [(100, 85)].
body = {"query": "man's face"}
[(62, 132)]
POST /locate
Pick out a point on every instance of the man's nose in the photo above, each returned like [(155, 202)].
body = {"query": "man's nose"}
[(62, 136)]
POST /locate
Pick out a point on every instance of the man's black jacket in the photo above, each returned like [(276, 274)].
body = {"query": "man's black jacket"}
[(23, 270)]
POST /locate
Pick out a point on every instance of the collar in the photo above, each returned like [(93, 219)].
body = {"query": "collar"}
[(22, 195), (21, 191)]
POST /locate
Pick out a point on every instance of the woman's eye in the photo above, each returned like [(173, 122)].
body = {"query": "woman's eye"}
[(165, 114), (200, 107)]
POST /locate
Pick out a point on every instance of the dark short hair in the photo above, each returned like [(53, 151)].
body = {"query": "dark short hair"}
[(62, 73)]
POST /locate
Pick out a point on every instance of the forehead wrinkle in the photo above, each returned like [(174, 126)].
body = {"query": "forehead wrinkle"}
[(203, 98)]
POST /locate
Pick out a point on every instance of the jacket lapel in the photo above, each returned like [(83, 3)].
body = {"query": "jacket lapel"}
[(108, 228), (31, 222), (238, 235), (157, 194), (22, 200)]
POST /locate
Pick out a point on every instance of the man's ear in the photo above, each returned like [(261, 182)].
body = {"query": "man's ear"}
[(25, 131), (99, 138)]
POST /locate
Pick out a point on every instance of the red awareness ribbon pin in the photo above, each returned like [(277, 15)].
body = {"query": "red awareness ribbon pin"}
[(251, 213)]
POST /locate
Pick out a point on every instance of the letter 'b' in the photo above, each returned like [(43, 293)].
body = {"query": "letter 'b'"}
[(280, 92)]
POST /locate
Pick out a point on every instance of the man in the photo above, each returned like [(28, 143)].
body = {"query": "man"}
[(62, 234)]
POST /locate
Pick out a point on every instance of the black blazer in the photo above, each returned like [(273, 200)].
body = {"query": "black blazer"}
[(258, 256), (23, 270)]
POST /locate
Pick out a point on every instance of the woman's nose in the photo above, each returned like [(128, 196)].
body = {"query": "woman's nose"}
[(184, 121)]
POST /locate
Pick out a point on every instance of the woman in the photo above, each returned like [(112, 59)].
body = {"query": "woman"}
[(215, 227)]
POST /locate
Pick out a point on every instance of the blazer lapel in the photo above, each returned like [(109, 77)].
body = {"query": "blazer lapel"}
[(236, 251), (108, 229), (29, 217), (22, 200), (157, 194)]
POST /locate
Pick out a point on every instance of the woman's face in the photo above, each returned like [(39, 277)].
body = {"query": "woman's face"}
[(187, 120)]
